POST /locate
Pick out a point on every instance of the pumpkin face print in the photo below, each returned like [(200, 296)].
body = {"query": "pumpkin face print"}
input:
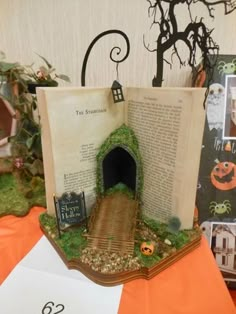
[(147, 248), (223, 176)]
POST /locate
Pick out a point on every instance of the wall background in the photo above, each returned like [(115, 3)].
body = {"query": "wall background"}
[(61, 31)]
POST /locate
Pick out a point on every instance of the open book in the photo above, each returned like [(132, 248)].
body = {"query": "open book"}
[(168, 123)]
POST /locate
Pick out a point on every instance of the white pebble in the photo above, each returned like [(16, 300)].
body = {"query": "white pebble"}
[(167, 241)]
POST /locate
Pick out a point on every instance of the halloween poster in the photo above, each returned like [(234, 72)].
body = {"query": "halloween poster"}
[(216, 190)]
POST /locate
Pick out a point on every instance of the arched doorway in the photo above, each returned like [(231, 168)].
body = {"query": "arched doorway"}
[(119, 166)]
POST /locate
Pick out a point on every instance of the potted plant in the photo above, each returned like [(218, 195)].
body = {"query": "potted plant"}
[(17, 86), (11, 78), (44, 76), (21, 85), (11, 81)]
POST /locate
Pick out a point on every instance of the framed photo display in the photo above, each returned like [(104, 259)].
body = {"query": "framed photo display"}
[(230, 108), (223, 246)]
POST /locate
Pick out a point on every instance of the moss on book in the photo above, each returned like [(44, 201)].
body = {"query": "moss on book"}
[(122, 137), (122, 188), (71, 242)]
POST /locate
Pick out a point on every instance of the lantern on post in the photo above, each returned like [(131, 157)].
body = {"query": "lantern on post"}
[(117, 92)]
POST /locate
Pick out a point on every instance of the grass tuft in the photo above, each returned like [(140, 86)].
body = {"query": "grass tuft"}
[(18, 196)]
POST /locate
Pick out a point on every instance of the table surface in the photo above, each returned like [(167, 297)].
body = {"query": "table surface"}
[(192, 285)]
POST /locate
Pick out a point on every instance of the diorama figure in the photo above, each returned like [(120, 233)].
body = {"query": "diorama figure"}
[(118, 243)]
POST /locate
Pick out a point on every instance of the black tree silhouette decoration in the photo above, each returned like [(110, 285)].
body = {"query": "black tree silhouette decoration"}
[(196, 36)]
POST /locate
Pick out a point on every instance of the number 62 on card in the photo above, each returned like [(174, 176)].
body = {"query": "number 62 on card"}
[(51, 308)]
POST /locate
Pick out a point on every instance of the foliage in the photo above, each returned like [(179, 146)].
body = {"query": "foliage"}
[(196, 36), (48, 221), (26, 145), (123, 136), (12, 72), (177, 237), (71, 241), (120, 187), (17, 197), (5, 165), (45, 74), (34, 191), (16, 83), (155, 225), (12, 200)]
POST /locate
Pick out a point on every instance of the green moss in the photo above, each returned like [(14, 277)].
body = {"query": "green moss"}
[(36, 187), (18, 196), (120, 187), (158, 227), (71, 241), (12, 200), (121, 137), (177, 239), (6, 165), (48, 221)]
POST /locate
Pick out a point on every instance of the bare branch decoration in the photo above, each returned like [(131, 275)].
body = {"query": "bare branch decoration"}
[(196, 36)]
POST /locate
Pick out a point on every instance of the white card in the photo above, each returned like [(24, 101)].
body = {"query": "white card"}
[(41, 284), (43, 257)]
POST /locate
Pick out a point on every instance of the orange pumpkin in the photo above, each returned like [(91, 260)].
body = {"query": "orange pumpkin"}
[(223, 176), (147, 248)]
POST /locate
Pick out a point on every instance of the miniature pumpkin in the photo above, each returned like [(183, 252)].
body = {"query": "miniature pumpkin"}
[(147, 248)]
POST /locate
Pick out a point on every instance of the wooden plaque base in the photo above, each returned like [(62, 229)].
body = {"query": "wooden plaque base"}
[(125, 276)]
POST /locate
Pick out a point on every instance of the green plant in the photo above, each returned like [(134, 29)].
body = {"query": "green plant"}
[(16, 87), (45, 74), (11, 72)]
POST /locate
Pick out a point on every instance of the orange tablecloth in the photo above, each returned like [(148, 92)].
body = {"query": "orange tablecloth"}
[(192, 285)]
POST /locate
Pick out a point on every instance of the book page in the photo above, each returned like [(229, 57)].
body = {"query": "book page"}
[(75, 122), (169, 125)]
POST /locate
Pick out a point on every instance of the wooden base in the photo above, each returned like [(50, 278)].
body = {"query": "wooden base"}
[(126, 276)]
